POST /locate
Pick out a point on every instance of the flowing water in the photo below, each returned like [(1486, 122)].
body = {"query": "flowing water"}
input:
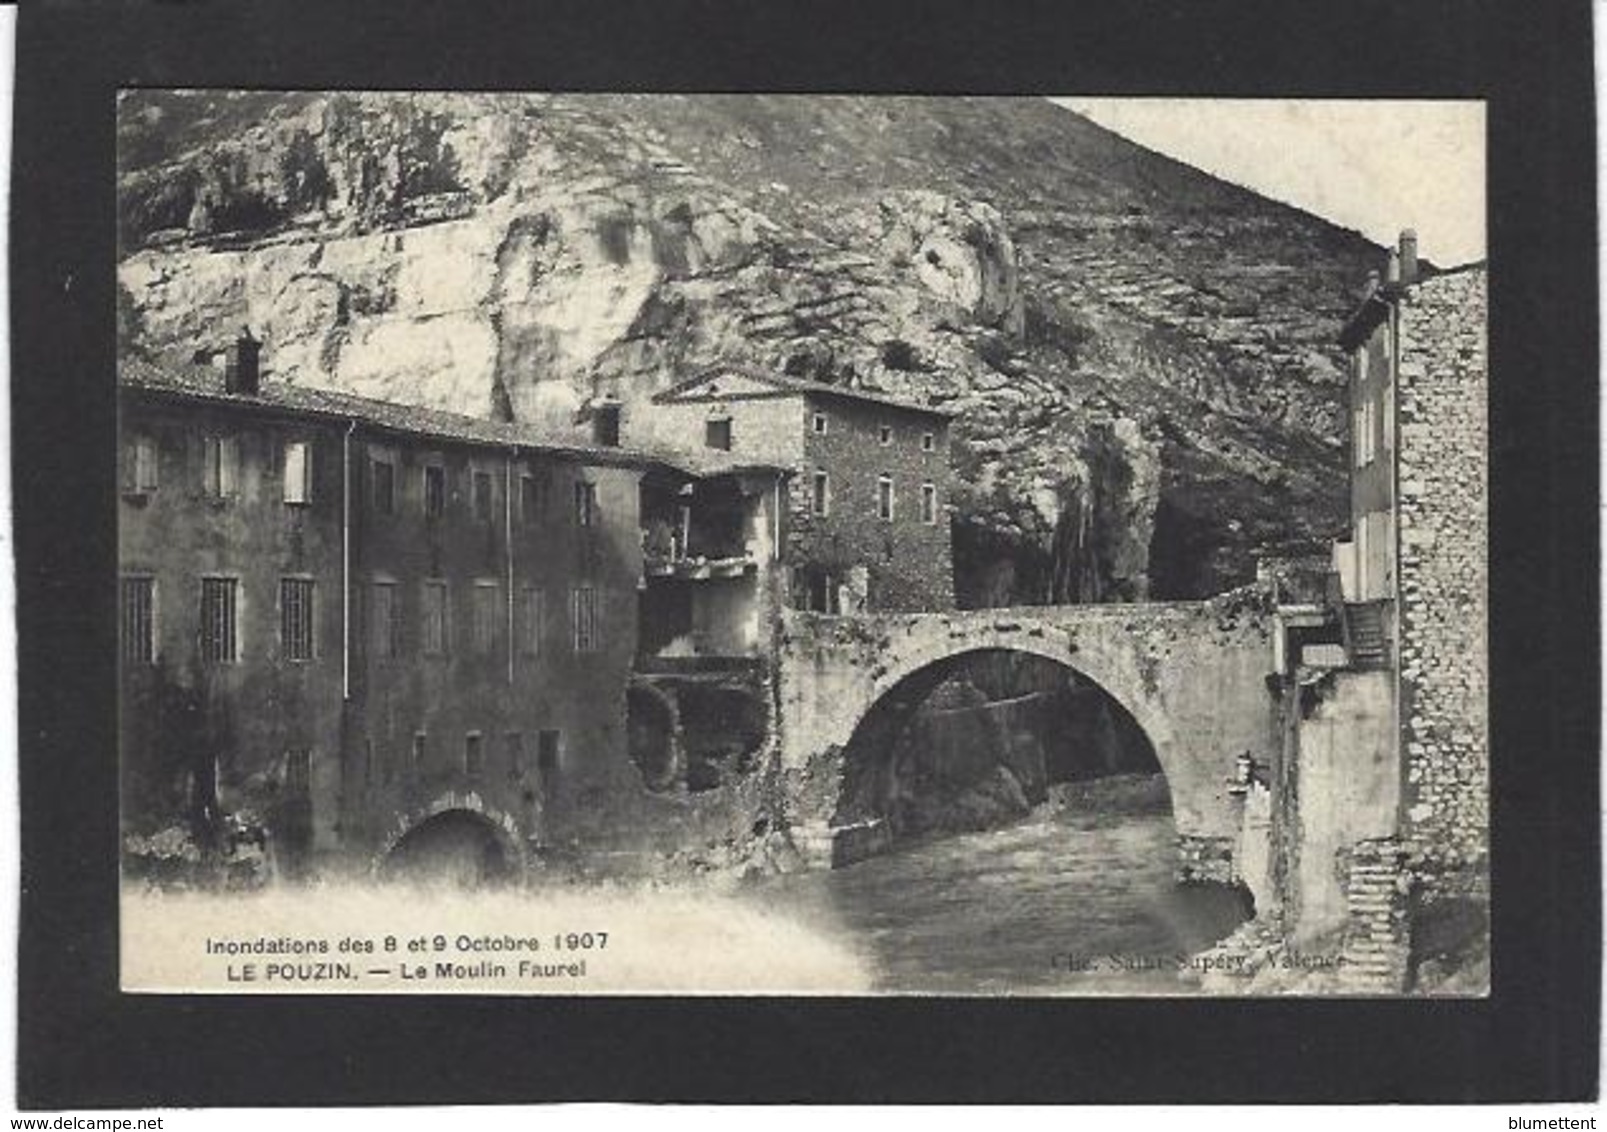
[(1065, 902)]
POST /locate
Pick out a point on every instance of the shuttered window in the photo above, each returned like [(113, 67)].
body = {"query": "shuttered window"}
[(386, 623), (435, 627), (488, 615), (142, 466), (585, 503), (221, 473), (434, 491), (298, 472), (584, 602), (532, 615), (220, 638)]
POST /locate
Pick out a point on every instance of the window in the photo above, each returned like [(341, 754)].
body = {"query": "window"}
[(1387, 407), (434, 491), (384, 480), (532, 498), (584, 600), (387, 621), (884, 435), (487, 616), (298, 773), (547, 762), (220, 640), (138, 620), (296, 618), (436, 628), (420, 750), (585, 503), (532, 615), (473, 755), (221, 457), (929, 503), (483, 498), (516, 754), (927, 442), (298, 472), (820, 494), (141, 472), (884, 497), (819, 424), (717, 433)]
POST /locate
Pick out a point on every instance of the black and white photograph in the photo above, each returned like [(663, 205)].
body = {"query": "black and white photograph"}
[(801, 544)]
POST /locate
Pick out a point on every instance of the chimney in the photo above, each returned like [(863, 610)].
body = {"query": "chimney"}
[(1408, 252), (1392, 270), (605, 423), (242, 368)]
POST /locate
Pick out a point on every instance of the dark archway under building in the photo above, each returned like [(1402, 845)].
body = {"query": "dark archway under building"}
[(458, 848)]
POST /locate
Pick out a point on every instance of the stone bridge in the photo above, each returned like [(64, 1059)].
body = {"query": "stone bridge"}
[(1193, 675)]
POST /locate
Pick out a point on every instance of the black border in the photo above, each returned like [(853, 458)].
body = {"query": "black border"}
[(82, 1044)]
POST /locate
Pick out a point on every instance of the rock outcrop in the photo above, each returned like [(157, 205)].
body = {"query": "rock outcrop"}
[(1141, 354)]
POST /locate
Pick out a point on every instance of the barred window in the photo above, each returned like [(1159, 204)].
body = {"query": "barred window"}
[(384, 483), (220, 639), (584, 600), (436, 627), (484, 498), (138, 620), (386, 623), (473, 755), (434, 491), (929, 503), (221, 457), (298, 472), (296, 618), (487, 616), (298, 773), (532, 618), (585, 503)]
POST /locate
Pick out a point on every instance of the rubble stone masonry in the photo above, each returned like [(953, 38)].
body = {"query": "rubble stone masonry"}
[(1443, 581)]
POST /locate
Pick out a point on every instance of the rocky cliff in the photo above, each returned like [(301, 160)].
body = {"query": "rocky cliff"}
[(1142, 355)]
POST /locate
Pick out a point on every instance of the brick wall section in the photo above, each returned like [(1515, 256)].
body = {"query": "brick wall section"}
[(1443, 580), (911, 563)]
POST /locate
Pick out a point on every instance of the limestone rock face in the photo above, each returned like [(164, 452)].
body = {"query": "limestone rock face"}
[(1141, 355)]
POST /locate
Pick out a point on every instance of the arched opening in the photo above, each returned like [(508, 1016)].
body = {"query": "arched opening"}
[(652, 736), (459, 848), (982, 738), (1001, 820)]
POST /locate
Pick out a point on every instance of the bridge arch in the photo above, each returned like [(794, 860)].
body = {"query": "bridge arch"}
[(1192, 675)]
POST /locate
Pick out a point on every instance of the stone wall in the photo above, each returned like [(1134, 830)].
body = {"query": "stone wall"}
[(1443, 580), (910, 562), (1191, 674)]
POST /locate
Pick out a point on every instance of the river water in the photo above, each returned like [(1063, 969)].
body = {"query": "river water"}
[(1064, 902)]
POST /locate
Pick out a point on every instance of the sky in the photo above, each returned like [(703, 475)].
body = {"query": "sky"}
[(1375, 166)]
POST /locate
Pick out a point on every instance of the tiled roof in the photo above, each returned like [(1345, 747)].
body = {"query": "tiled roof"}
[(191, 381), (787, 384)]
